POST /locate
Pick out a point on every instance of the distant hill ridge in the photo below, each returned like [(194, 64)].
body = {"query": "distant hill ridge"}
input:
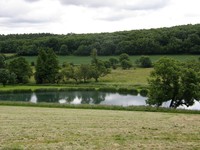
[(183, 39)]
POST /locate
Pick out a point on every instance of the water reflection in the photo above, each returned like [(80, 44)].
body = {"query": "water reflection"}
[(33, 98), (16, 96), (84, 97)]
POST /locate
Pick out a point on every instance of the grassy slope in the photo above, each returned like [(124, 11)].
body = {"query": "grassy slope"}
[(136, 76), (50, 128), (87, 59)]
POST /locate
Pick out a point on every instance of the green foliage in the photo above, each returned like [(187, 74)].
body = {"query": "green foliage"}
[(40, 73), (98, 67), (125, 61), (175, 40), (85, 72), (21, 68), (123, 57), (4, 76), (64, 50), (144, 92), (126, 64), (144, 62), (173, 81), (2, 61), (113, 62), (47, 67)]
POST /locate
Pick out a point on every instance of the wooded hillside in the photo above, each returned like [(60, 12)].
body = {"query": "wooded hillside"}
[(175, 40)]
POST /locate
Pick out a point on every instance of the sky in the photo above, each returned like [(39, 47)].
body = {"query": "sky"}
[(94, 16)]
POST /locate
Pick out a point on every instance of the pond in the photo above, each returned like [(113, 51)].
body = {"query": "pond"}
[(83, 97)]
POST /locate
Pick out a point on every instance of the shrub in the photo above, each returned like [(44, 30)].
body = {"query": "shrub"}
[(144, 92)]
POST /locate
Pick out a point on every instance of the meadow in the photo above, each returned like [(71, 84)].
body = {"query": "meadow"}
[(133, 77), (87, 59), (52, 128)]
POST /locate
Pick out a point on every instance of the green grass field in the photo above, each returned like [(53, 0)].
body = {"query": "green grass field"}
[(76, 129), (134, 77), (87, 59)]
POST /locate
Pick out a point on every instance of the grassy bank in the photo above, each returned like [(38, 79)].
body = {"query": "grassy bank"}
[(66, 129), (100, 107)]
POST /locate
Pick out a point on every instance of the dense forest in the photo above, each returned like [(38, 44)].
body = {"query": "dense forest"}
[(183, 39)]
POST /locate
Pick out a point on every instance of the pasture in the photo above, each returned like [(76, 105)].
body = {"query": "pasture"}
[(87, 59), (52, 128)]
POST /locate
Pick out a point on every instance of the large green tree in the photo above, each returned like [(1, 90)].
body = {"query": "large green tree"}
[(175, 82), (40, 68), (21, 68), (47, 67)]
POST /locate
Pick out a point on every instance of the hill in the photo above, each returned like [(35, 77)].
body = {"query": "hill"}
[(183, 39)]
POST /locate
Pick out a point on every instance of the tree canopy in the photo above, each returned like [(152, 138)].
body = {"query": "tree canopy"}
[(174, 81), (21, 68), (183, 39), (47, 67)]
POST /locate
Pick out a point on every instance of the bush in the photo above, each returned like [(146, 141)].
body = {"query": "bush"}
[(144, 62), (108, 89), (126, 64), (144, 92)]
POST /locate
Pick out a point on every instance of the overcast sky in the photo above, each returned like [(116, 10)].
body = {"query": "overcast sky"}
[(91, 16)]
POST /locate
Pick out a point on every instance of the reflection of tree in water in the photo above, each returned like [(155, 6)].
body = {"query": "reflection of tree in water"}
[(68, 96), (86, 97), (15, 97), (93, 97), (98, 97), (51, 97)]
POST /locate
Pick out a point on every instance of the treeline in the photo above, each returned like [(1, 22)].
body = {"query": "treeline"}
[(48, 71), (175, 40)]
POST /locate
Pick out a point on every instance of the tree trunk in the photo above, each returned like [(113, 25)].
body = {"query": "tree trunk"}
[(172, 103)]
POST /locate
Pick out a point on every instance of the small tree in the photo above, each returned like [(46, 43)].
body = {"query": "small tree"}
[(63, 50), (94, 56), (40, 68), (4, 76), (21, 68), (52, 66), (125, 61), (2, 61), (144, 62), (98, 68), (126, 64), (124, 56), (85, 72), (113, 62)]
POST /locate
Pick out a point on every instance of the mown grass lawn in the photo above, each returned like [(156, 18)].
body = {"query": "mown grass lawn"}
[(66, 129)]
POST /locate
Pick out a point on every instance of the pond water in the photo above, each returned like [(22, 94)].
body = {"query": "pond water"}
[(83, 97)]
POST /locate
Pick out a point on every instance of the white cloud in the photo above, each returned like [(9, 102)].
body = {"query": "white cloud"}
[(83, 16), (119, 4)]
